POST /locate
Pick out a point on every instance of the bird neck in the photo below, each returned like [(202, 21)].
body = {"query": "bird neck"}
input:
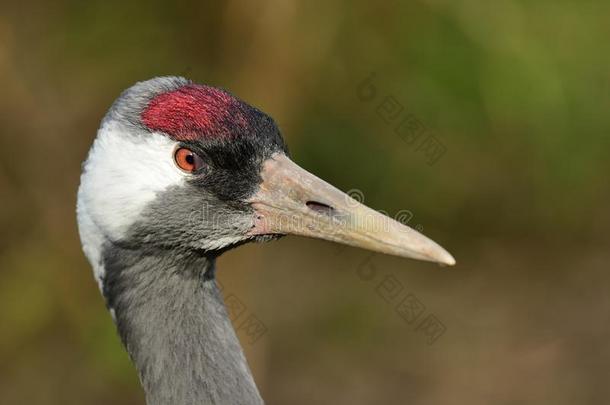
[(172, 319)]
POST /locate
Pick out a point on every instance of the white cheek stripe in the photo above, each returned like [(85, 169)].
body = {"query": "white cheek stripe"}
[(123, 173)]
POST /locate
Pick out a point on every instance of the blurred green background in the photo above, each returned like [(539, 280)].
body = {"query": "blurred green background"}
[(517, 92)]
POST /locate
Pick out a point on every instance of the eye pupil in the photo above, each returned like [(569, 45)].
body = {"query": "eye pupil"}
[(190, 159)]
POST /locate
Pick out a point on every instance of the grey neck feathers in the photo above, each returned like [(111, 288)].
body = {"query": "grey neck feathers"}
[(172, 320)]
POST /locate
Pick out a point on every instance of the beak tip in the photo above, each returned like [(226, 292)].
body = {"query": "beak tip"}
[(442, 257), (449, 262)]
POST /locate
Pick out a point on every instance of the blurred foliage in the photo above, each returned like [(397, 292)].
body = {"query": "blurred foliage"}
[(518, 92)]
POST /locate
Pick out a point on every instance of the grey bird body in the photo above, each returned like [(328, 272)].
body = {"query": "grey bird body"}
[(173, 322), (178, 174)]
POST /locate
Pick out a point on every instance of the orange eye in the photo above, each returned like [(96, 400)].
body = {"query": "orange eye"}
[(188, 160)]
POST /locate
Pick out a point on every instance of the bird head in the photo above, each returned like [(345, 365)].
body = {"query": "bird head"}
[(181, 166)]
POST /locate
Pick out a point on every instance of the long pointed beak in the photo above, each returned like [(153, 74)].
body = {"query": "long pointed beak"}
[(293, 201)]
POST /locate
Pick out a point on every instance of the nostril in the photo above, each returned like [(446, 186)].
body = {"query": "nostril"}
[(320, 207)]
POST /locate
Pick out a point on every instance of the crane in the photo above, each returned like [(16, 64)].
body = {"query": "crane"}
[(178, 174)]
